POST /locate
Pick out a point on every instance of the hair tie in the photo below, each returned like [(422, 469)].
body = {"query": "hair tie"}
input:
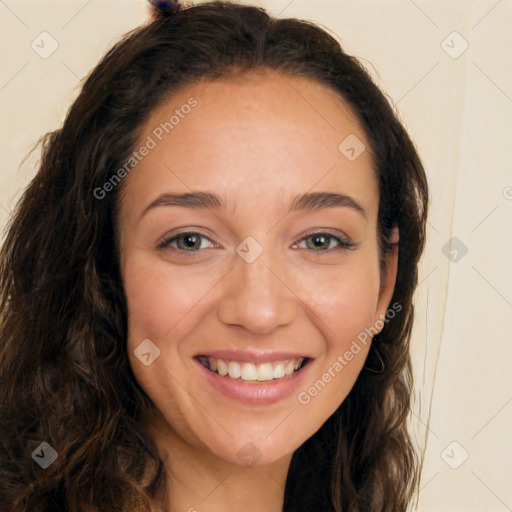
[(164, 7)]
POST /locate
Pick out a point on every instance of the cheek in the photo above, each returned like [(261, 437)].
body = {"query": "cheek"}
[(163, 304), (342, 305), (158, 299), (344, 298)]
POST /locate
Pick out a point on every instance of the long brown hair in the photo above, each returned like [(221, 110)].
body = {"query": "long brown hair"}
[(64, 372)]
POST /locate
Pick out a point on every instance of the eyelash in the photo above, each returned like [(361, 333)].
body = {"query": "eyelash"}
[(343, 243)]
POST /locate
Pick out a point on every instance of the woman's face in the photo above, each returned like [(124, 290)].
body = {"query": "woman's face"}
[(234, 259)]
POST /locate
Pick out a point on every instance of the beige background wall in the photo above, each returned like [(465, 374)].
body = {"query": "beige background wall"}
[(456, 103)]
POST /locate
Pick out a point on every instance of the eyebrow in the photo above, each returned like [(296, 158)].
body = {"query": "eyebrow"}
[(209, 200)]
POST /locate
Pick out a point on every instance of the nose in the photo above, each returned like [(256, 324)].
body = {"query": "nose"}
[(257, 297)]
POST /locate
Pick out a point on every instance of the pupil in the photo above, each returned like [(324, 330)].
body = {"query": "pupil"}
[(319, 241), (190, 240)]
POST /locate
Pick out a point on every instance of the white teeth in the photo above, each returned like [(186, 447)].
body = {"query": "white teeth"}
[(289, 368), (279, 371), (254, 372), (222, 367), (234, 370), (264, 372), (248, 371)]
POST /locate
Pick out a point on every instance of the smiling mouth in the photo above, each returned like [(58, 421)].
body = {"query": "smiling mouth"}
[(250, 372)]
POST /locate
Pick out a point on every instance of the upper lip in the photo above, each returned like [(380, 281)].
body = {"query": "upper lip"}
[(251, 356)]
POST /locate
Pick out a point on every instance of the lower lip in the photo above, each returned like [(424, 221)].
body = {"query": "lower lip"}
[(251, 393)]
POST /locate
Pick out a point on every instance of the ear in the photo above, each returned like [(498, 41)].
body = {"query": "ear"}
[(387, 282)]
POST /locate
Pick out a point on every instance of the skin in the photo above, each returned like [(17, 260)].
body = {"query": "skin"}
[(255, 140)]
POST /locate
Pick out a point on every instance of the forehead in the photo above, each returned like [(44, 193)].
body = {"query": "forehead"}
[(261, 134)]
